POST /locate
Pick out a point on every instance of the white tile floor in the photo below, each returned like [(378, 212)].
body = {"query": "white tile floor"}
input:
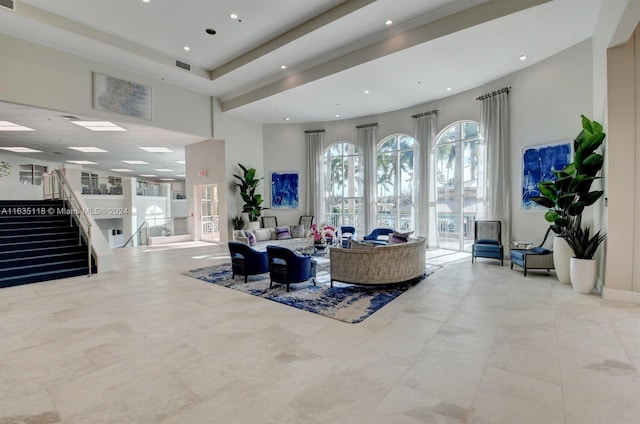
[(470, 344)]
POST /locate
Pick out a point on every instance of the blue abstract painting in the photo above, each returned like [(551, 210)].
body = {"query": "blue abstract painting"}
[(284, 190), (538, 164)]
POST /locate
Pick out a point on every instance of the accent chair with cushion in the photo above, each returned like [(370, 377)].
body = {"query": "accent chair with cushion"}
[(287, 267), (307, 221), (379, 235), (247, 261), (488, 241), (347, 233)]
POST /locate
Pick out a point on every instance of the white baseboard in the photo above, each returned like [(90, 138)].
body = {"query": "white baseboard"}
[(621, 295)]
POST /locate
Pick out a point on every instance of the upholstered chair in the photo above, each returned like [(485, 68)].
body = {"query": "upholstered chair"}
[(347, 233), (375, 235), (247, 261), (287, 267), (306, 221), (488, 241), (269, 221)]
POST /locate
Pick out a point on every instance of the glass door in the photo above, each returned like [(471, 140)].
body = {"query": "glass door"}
[(208, 213)]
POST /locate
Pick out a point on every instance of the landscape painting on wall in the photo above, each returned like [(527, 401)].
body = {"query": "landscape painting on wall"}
[(538, 164), (284, 190), (119, 96)]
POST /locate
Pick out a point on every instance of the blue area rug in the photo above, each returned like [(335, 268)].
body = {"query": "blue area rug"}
[(344, 302)]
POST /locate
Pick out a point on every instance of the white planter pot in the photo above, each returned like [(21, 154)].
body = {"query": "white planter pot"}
[(252, 225), (584, 273), (562, 254)]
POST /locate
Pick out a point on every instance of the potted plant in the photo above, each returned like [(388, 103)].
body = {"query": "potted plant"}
[(583, 268), (237, 222), (570, 193), (248, 183)]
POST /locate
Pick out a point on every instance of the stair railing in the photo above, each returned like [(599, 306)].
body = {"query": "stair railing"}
[(138, 233), (77, 213)]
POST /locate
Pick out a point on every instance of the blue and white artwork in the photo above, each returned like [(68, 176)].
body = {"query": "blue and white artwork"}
[(116, 95), (284, 190), (538, 164)]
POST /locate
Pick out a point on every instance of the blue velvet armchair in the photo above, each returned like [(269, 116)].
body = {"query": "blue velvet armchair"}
[(347, 233), (377, 232), (488, 241), (287, 267), (247, 261)]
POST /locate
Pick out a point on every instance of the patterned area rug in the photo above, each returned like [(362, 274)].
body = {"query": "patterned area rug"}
[(344, 302)]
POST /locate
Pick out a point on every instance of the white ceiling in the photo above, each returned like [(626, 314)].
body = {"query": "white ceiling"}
[(334, 50)]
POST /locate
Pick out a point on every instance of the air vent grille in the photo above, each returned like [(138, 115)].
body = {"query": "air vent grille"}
[(179, 64), (8, 4)]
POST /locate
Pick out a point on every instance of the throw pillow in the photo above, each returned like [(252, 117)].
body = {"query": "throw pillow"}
[(240, 237), (250, 237), (262, 234), (398, 237), (282, 233), (297, 231)]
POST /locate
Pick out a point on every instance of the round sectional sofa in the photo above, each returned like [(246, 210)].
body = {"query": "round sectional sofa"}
[(370, 264)]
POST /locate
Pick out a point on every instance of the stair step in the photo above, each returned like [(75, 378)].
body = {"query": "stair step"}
[(44, 276), (35, 238), (36, 228), (23, 245), (35, 260), (42, 250), (44, 267)]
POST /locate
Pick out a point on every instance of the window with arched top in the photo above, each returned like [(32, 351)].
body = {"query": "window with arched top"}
[(344, 188), (457, 175), (395, 185)]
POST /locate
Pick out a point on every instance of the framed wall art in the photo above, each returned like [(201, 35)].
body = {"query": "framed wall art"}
[(538, 164), (284, 190), (119, 96)]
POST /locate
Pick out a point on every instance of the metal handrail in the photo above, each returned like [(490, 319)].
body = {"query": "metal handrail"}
[(144, 224), (77, 212)]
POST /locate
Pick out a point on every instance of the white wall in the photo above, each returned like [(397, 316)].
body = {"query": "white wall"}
[(546, 101), (10, 187), (39, 76)]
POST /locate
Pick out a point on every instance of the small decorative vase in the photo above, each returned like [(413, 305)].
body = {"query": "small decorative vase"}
[(584, 273), (562, 253)]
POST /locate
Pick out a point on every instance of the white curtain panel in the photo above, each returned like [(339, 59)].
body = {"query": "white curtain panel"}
[(366, 141), (425, 134), (314, 199), (494, 128)]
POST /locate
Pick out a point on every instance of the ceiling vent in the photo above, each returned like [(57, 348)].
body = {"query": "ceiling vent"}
[(8, 4), (179, 64)]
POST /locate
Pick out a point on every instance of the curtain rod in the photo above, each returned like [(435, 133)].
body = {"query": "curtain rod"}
[(420, 115), (494, 93), (313, 131), (373, 124)]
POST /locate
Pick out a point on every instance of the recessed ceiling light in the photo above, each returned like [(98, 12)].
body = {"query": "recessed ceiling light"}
[(98, 125), (21, 150), (366, 91), (283, 66), (82, 162), (164, 170), (448, 88), (156, 149), (135, 162), (89, 149), (167, 179), (337, 115), (186, 48), (287, 119), (148, 175), (120, 170), (233, 16), (388, 22), (146, 1), (10, 126), (523, 57), (181, 162), (181, 175)]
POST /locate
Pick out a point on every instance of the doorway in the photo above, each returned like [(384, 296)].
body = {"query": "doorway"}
[(207, 218)]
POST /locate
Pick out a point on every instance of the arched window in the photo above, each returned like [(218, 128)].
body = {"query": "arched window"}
[(395, 188), (343, 186), (457, 171)]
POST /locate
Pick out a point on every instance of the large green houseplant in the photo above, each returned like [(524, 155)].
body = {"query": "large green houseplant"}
[(248, 183), (571, 192)]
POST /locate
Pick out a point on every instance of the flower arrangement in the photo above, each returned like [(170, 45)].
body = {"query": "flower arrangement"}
[(323, 233)]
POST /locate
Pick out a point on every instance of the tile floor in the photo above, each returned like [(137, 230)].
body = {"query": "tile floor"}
[(470, 344)]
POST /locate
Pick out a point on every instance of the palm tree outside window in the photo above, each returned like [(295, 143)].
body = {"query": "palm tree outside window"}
[(344, 186)]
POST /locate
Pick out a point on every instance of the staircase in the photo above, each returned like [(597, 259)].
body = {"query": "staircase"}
[(39, 243)]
